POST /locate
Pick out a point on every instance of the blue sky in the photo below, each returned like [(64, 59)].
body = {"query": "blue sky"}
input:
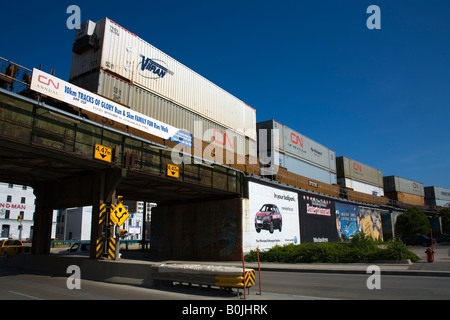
[(380, 97)]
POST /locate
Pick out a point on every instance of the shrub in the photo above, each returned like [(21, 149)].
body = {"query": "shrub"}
[(360, 248)]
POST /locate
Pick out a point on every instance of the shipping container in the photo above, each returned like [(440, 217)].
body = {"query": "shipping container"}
[(272, 141), (356, 171), (437, 193), (398, 184), (296, 145), (148, 103), (437, 196), (361, 186), (406, 197), (120, 52), (306, 169)]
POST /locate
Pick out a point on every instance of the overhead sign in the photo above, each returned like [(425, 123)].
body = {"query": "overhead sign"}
[(173, 171), (102, 153), (119, 214), (64, 91)]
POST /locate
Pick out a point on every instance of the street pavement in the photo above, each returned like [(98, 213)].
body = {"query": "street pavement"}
[(132, 270)]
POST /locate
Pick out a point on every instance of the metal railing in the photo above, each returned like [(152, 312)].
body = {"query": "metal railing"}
[(13, 76)]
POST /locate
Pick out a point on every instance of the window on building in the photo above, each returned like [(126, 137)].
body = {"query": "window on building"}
[(8, 198), (5, 231), (7, 213), (22, 200)]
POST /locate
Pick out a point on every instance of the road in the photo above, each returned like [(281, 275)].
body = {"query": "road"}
[(354, 286), (275, 286), (21, 285)]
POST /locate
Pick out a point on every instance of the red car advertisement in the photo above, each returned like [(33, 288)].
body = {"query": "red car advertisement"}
[(271, 217)]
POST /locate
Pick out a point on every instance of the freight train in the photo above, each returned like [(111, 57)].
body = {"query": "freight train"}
[(114, 63)]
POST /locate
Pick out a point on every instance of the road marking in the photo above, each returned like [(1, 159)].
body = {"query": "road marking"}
[(25, 295)]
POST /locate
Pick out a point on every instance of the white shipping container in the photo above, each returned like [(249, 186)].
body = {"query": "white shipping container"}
[(123, 53), (106, 85), (146, 102), (298, 146), (306, 169), (361, 187)]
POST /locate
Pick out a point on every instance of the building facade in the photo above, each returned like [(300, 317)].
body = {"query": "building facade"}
[(17, 205)]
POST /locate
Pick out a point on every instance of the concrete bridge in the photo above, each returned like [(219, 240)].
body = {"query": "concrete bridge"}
[(53, 151)]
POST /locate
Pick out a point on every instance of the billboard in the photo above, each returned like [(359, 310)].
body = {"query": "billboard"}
[(317, 219), (270, 218), (347, 220), (371, 223), (61, 90)]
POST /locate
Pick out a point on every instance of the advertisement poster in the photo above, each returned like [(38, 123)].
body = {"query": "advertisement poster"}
[(56, 88), (317, 219), (272, 218), (347, 216), (370, 222)]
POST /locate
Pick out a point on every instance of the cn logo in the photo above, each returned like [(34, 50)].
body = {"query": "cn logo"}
[(225, 138), (44, 80), (296, 139), (357, 167)]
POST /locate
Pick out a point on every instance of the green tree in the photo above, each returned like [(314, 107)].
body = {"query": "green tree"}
[(445, 220), (413, 221)]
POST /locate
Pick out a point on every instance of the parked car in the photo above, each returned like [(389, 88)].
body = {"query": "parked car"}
[(10, 248), (78, 248), (443, 238), (268, 218), (418, 239)]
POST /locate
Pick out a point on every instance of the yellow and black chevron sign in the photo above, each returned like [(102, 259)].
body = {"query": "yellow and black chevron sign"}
[(112, 248), (249, 278), (99, 247), (102, 214)]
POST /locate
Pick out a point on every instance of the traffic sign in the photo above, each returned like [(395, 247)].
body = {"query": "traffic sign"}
[(173, 171), (249, 278), (119, 214), (102, 153)]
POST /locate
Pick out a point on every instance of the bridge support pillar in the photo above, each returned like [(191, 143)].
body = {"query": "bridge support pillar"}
[(104, 189), (42, 220), (92, 188)]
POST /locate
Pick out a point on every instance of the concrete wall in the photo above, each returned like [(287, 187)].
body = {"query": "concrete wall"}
[(199, 231)]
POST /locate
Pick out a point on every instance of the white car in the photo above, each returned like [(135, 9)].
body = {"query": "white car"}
[(80, 248)]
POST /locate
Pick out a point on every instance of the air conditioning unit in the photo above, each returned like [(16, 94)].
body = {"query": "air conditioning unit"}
[(84, 37)]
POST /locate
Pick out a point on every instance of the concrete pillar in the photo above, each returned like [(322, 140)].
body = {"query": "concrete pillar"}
[(104, 185), (42, 220), (91, 188)]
